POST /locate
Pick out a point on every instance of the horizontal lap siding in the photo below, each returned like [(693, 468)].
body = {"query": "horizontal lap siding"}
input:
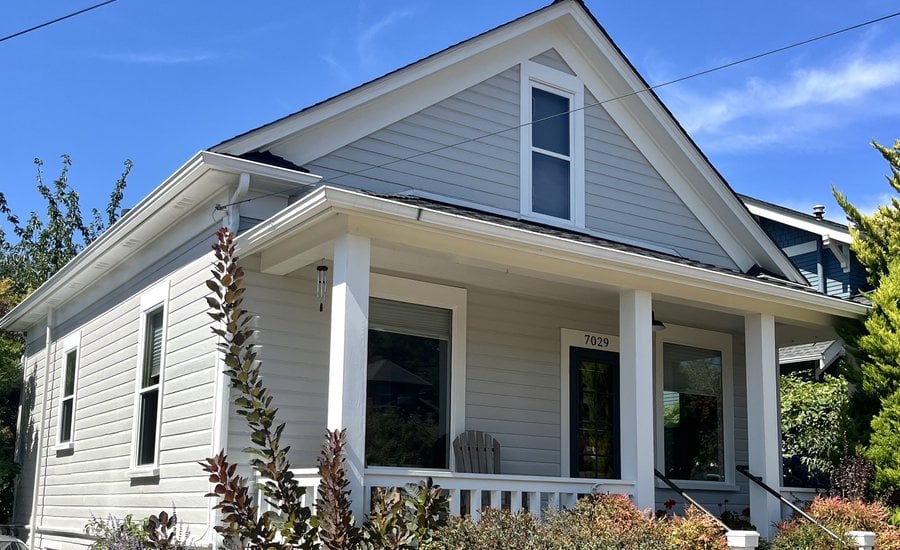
[(625, 195), (552, 59), (513, 374), (293, 339), (91, 480), (484, 171)]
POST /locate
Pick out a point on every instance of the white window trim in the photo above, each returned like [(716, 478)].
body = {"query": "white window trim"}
[(447, 297), (152, 299), (570, 338), (71, 343), (543, 77), (706, 339)]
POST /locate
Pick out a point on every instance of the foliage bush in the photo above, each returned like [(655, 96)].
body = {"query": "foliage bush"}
[(840, 516), (111, 533), (813, 426), (884, 447), (597, 522)]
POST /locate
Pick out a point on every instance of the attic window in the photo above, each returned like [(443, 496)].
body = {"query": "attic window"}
[(552, 154)]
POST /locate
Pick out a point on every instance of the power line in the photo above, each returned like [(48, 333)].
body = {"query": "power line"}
[(605, 101), (623, 96), (57, 20)]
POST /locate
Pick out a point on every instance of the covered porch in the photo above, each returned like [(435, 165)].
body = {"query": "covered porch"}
[(451, 322)]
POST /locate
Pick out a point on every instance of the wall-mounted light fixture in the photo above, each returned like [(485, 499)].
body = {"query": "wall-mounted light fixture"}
[(657, 325)]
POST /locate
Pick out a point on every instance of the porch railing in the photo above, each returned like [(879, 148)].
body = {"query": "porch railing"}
[(470, 493)]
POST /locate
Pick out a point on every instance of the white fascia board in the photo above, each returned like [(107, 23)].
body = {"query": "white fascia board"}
[(355, 203), (228, 163), (147, 217), (677, 159), (799, 222), (411, 88)]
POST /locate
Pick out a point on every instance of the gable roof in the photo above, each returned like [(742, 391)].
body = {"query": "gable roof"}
[(801, 220), (569, 27)]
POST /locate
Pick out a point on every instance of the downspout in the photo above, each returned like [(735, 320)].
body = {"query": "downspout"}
[(222, 394), (37, 467)]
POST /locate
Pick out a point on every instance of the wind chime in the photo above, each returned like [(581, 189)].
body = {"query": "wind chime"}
[(321, 284)]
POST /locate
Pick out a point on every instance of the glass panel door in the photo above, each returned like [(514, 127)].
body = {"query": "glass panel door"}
[(595, 413)]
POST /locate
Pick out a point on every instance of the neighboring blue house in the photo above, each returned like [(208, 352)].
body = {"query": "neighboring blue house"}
[(820, 249)]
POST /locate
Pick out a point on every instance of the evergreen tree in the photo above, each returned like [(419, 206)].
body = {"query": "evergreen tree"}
[(875, 344)]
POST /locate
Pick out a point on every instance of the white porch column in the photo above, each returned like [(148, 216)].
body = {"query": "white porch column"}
[(347, 360), (763, 431), (636, 394)]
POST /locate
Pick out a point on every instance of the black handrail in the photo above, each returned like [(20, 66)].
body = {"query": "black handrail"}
[(685, 496), (758, 480)]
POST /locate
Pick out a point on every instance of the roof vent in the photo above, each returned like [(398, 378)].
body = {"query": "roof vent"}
[(819, 211)]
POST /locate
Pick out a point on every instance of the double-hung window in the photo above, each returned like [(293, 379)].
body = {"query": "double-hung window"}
[(552, 137), (67, 402), (695, 431), (151, 363)]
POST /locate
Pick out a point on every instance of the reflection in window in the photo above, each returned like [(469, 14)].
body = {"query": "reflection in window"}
[(407, 396), (693, 413), (551, 154)]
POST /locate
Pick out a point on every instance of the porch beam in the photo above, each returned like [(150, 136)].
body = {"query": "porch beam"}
[(347, 360), (763, 414), (636, 394)]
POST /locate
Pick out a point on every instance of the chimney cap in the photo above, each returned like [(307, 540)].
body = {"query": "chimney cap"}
[(819, 211)]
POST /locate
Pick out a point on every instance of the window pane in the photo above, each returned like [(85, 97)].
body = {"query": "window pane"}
[(153, 348), (147, 427), (692, 413), (550, 186), (407, 398), (551, 134), (65, 420), (71, 360), (595, 424)]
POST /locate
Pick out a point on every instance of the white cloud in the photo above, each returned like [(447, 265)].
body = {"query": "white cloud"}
[(765, 112), (366, 39)]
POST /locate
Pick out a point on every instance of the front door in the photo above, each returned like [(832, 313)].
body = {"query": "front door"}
[(594, 378)]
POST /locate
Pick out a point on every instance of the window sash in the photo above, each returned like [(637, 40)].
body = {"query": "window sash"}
[(152, 360), (148, 415), (551, 161), (66, 416), (71, 363)]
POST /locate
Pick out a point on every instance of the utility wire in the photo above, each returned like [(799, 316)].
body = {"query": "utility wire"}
[(57, 20), (605, 101)]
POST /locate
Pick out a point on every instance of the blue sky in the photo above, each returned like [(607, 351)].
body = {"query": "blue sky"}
[(157, 81)]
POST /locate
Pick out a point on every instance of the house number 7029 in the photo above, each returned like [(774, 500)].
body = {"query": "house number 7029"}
[(596, 341)]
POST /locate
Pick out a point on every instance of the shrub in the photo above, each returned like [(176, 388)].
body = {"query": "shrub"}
[(853, 479), (813, 426), (497, 530), (112, 533), (597, 522), (163, 532), (840, 516), (693, 531)]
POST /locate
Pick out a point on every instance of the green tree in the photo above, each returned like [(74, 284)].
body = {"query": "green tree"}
[(875, 343), (30, 254), (813, 425)]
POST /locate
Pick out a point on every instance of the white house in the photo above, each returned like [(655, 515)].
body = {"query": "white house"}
[(503, 222)]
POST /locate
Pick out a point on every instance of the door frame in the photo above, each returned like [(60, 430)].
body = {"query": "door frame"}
[(570, 338)]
